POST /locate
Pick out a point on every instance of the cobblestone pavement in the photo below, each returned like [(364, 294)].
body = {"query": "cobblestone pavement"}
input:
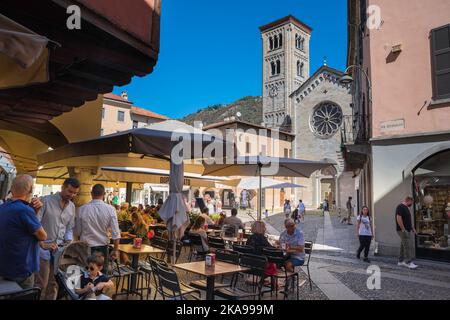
[(339, 275)]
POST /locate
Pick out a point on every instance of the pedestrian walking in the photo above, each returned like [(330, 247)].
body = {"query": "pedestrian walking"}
[(287, 208), (365, 233)]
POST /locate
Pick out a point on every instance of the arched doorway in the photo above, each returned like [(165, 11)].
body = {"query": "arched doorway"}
[(431, 190)]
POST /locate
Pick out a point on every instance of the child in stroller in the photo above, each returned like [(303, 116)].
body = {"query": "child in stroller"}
[(93, 281)]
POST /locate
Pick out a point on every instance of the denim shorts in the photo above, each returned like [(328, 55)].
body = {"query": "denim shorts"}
[(296, 262)]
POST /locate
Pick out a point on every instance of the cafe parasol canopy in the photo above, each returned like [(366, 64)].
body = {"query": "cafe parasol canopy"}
[(260, 166), (161, 145)]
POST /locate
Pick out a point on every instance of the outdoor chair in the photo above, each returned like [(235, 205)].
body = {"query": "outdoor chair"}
[(27, 294), (152, 273), (169, 251), (257, 266), (171, 287), (224, 256), (229, 231), (308, 252), (244, 249), (122, 273), (277, 256), (159, 243), (216, 243), (196, 247)]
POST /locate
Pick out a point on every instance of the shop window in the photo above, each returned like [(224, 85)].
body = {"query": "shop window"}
[(440, 57), (432, 206)]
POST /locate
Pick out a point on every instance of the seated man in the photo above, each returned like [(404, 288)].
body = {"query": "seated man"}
[(293, 243), (234, 220)]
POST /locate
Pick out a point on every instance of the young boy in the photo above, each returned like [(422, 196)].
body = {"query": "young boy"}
[(93, 281)]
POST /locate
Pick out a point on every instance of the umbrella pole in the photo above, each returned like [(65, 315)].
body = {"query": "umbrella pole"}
[(260, 194)]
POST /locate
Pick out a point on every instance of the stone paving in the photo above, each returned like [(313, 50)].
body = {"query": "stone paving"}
[(337, 273)]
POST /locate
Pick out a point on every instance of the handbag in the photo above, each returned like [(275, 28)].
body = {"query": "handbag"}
[(271, 269)]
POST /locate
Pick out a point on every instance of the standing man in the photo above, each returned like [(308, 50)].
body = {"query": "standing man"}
[(301, 210), (94, 221), (20, 233), (349, 210), (57, 216), (405, 231)]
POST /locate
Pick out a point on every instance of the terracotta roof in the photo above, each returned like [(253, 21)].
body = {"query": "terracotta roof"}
[(289, 18), (147, 113), (116, 97)]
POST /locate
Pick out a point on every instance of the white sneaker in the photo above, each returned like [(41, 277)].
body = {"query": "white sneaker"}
[(403, 264), (411, 265)]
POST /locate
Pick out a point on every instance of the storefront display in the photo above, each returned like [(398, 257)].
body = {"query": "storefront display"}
[(432, 207)]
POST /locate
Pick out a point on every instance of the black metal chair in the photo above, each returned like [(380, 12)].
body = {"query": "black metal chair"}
[(257, 266), (229, 230), (27, 294), (171, 287), (159, 243), (216, 243), (277, 256), (243, 249), (224, 256), (153, 262), (308, 252), (196, 250), (170, 252), (121, 273)]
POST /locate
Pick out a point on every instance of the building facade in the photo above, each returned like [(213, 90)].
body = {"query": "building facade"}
[(400, 135), (312, 108), (254, 140)]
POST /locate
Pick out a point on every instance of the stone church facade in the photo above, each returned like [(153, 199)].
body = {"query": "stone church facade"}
[(313, 108)]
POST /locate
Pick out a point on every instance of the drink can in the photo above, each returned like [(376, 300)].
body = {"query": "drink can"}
[(137, 243), (210, 260)]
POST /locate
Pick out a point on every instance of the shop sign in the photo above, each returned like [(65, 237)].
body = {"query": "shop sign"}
[(165, 180)]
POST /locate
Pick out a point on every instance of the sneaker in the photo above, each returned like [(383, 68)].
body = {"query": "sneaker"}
[(411, 265), (402, 264), (366, 260)]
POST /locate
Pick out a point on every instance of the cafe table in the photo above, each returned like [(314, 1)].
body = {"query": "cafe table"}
[(9, 287), (135, 254), (220, 268)]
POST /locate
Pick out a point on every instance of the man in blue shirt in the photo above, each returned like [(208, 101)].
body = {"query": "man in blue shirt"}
[(20, 233), (293, 243)]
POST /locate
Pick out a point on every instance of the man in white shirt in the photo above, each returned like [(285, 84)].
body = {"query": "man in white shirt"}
[(94, 221)]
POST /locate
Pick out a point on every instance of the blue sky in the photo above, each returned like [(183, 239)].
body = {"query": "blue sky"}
[(211, 50)]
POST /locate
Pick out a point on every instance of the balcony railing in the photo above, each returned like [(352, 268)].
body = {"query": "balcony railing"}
[(354, 129)]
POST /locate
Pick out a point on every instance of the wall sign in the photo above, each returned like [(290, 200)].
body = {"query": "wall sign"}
[(392, 125)]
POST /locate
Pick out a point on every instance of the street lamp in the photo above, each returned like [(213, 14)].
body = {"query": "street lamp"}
[(347, 79)]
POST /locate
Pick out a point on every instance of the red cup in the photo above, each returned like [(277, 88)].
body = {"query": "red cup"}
[(137, 243)]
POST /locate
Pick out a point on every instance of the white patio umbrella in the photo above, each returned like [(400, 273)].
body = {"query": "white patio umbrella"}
[(260, 166), (266, 183)]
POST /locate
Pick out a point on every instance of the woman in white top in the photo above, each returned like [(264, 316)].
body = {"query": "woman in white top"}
[(365, 233)]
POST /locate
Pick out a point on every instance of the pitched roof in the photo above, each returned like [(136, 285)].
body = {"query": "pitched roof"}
[(223, 123), (319, 71), (147, 113), (116, 97), (289, 18)]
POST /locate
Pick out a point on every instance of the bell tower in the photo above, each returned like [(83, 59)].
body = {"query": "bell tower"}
[(285, 68)]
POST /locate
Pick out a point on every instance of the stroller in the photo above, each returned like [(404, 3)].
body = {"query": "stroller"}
[(70, 262)]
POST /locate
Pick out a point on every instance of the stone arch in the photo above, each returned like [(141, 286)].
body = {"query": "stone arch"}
[(425, 155)]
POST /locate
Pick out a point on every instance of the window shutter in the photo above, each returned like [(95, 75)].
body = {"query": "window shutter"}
[(440, 57)]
